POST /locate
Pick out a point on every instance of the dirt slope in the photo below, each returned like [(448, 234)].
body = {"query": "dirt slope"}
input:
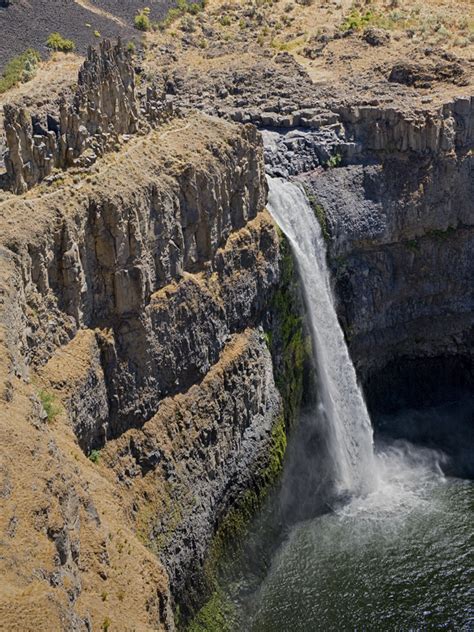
[(27, 23)]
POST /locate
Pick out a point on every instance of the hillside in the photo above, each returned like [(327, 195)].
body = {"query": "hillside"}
[(27, 23)]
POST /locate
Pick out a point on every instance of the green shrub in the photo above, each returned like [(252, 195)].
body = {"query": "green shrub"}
[(142, 20), (334, 161), (94, 456), (195, 7), (131, 48), (50, 404), (19, 69), (57, 42), (356, 20), (188, 24), (182, 8)]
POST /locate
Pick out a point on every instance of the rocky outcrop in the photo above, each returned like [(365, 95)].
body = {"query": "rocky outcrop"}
[(388, 130), (103, 111), (116, 263), (401, 233), (423, 75), (203, 450), (138, 310)]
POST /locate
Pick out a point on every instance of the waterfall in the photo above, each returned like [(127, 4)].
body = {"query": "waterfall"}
[(340, 406)]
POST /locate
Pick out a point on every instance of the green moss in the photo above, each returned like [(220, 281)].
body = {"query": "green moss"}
[(339, 266), (229, 536), (227, 543), (412, 244), (290, 349), (214, 616), (320, 213), (288, 343), (442, 234)]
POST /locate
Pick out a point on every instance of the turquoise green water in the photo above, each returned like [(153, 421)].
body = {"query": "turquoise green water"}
[(399, 559)]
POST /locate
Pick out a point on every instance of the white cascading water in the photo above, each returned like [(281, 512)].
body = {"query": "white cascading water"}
[(340, 403)]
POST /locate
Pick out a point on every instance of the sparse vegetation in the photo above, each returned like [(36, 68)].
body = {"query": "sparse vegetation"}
[(214, 616), (94, 456), (334, 161), (412, 244), (20, 69), (356, 21), (142, 20), (320, 214), (49, 403), (183, 7), (57, 42), (188, 25)]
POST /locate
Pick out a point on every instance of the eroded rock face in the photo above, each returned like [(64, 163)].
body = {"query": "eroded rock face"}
[(103, 110), (402, 234), (389, 130), (202, 450), (138, 301), (117, 263), (396, 191)]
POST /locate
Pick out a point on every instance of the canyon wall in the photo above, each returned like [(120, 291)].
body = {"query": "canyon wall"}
[(400, 227), (134, 301)]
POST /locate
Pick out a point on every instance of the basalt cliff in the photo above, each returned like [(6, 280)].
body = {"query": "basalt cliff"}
[(139, 396)]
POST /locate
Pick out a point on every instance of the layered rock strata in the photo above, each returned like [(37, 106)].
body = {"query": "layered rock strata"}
[(134, 300), (401, 237)]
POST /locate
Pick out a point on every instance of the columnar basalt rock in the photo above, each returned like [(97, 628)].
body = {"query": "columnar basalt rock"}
[(390, 130), (136, 304), (104, 109)]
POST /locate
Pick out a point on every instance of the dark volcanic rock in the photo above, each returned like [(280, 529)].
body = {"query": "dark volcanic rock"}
[(26, 24), (376, 37), (103, 110), (403, 268), (423, 75)]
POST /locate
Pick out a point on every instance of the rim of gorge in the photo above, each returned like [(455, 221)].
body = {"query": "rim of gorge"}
[(227, 240)]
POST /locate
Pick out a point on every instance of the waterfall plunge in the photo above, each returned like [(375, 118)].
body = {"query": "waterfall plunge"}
[(341, 407)]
